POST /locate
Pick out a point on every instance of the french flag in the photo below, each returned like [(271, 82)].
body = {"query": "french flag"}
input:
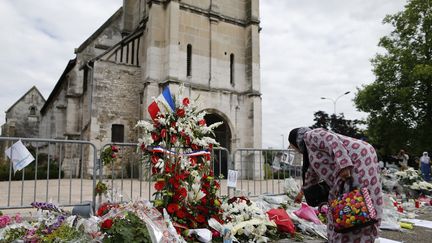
[(163, 103)]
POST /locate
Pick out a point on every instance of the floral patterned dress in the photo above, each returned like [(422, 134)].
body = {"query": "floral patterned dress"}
[(328, 154)]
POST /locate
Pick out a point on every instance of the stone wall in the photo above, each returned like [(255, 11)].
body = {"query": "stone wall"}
[(116, 100), (22, 119)]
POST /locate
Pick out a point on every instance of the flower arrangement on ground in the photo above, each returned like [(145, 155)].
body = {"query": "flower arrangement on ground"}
[(246, 221), (176, 145), (52, 225)]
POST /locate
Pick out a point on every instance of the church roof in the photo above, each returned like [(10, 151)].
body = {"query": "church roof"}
[(96, 34), (58, 85), (22, 97)]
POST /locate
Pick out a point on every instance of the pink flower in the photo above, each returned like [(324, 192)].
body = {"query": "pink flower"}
[(4, 220), (114, 148), (18, 218), (202, 122)]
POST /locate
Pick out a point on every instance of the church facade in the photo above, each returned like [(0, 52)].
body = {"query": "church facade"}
[(211, 47)]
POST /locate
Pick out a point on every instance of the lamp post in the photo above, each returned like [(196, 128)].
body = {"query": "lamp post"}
[(283, 141), (335, 100), (334, 106)]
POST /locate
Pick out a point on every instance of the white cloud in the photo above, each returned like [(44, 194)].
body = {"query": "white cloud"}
[(309, 49)]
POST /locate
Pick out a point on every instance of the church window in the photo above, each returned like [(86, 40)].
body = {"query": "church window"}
[(32, 111), (85, 81), (232, 69), (117, 133), (189, 60)]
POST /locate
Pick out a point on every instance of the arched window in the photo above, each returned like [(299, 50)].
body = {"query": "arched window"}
[(117, 133), (189, 60), (33, 111), (232, 69)]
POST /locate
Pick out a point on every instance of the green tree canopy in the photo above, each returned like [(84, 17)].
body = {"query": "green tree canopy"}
[(399, 101), (338, 124)]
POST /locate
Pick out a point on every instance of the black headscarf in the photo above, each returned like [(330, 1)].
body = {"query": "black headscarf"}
[(296, 138)]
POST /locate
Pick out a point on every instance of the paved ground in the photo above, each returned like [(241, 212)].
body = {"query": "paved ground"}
[(76, 191)]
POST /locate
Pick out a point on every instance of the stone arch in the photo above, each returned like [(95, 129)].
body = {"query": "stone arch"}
[(223, 135)]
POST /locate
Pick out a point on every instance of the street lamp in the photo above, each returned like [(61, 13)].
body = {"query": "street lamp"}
[(283, 141), (333, 120), (335, 100)]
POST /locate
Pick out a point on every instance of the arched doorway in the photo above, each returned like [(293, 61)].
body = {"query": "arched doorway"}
[(223, 137)]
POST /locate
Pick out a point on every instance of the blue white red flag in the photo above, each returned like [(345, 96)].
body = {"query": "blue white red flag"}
[(163, 103)]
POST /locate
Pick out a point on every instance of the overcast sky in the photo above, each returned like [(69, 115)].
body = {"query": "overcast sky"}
[(309, 49)]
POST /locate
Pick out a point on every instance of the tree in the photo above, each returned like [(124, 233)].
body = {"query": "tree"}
[(399, 101), (338, 124)]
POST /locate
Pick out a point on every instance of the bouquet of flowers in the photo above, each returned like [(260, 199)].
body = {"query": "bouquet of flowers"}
[(101, 188), (246, 221), (408, 176), (109, 155), (176, 146), (52, 224)]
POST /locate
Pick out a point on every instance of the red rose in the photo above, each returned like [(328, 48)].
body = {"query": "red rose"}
[(114, 148), (159, 185), (163, 133), (143, 147), (202, 122), (182, 192), (113, 155), (181, 213), (194, 147), (154, 136), (154, 159), (107, 224), (173, 124), (174, 182), (215, 234), (173, 139), (186, 101), (203, 201), (172, 207), (200, 218), (187, 140), (180, 112), (193, 161)]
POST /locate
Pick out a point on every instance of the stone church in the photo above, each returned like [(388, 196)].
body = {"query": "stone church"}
[(209, 46)]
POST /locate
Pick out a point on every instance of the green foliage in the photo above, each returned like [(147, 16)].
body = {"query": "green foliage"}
[(338, 124), (64, 233), (129, 229), (399, 101), (29, 171), (13, 234)]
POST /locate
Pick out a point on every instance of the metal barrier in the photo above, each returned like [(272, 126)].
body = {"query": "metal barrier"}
[(262, 171), (126, 171), (60, 168), (128, 177)]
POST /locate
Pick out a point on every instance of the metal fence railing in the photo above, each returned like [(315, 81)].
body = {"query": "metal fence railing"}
[(62, 172), (66, 172), (263, 171)]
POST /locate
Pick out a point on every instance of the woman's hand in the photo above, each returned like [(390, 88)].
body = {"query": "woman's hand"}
[(345, 173), (299, 197)]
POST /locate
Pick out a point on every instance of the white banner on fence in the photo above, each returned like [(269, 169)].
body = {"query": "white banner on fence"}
[(232, 178), (19, 155)]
